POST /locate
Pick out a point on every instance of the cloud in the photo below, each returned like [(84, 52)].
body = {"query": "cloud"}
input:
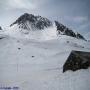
[(25, 4), (84, 27), (20, 4), (77, 19), (80, 19)]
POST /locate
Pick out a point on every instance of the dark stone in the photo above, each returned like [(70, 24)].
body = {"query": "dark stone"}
[(69, 32), (77, 60), (1, 37), (60, 27), (19, 48), (80, 36), (67, 41), (0, 28), (33, 56)]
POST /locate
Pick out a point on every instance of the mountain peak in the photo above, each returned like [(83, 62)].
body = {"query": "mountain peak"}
[(32, 22), (27, 20)]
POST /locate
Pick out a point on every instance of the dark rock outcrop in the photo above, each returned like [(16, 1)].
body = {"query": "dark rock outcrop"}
[(66, 31), (77, 60), (79, 36), (0, 28), (37, 22)]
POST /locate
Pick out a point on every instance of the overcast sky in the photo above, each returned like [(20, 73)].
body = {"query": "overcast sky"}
[(72, 13)]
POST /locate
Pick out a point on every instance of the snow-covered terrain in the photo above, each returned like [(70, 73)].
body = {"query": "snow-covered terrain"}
[(45, 34), (39, 27), (33, 52), (37, 64)]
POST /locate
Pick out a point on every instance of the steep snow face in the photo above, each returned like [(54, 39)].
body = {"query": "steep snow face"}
[(45, 34), (33, 27), (38, 65)]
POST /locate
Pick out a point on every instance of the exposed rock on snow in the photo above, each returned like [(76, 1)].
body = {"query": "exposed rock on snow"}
[(0, 28), (79, 36), (31, 22), (77, 60), (66, 31)]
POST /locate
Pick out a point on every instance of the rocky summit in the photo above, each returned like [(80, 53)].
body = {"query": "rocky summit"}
[(37, 22)]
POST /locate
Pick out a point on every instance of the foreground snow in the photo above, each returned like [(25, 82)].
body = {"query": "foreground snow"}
[(37, 65)]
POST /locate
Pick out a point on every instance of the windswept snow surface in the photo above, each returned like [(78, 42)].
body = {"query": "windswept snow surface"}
[(37, 65), (40, 35)]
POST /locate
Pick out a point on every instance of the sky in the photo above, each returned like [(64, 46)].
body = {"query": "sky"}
[(74, 14)]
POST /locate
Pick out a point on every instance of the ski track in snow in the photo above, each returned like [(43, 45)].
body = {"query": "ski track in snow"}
[(37, 65)]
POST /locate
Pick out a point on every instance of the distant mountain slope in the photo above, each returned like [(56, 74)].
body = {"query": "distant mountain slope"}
[(66, 31), (30, 22)]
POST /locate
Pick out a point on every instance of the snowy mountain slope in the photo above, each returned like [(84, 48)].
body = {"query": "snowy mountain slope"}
[(66, 31), (45, 34), (32, 55), (37, 65), (31, 24)]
